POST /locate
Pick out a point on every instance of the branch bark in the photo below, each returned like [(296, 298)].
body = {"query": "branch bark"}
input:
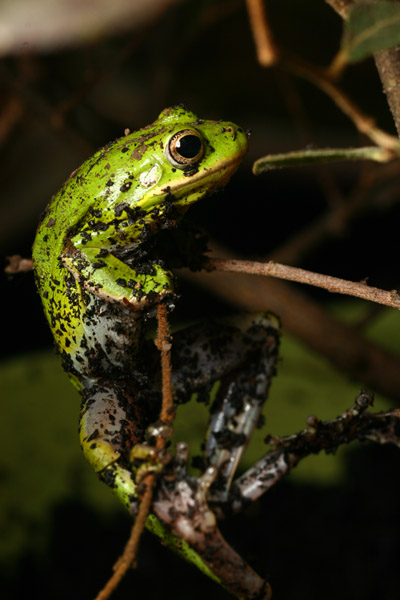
[(355, 423), (332, 284)]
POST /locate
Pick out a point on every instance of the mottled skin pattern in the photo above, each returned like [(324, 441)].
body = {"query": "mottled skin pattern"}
[(115, 202), (123, 194), (100, 277)]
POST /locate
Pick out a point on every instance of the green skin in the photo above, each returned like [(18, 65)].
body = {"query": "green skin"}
[(97, 289)]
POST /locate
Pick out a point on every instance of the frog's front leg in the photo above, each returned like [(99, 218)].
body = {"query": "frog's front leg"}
[(107, 277)]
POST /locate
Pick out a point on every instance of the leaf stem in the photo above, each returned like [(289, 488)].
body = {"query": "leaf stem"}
[(323, 155)]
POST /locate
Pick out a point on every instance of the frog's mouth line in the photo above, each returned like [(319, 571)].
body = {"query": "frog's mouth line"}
[(214, 178), (223, 168)]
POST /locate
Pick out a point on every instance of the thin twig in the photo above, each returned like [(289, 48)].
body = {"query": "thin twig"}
[(332, 284), (127, 558), (146, 487), (267, 53), (163, 343)]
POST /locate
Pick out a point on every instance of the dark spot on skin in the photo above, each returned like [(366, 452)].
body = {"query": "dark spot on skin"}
[(119, 209), (138, 152), (103, 252), (50, 223), (86, 237), (95, 212), (109, 183), (126, 186)]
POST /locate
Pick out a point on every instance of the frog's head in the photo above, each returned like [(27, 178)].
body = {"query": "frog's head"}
[(146, 180), (198, 156)]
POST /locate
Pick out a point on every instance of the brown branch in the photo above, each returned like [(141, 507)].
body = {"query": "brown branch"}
[(332, 284), (267, 52), (163, 343)]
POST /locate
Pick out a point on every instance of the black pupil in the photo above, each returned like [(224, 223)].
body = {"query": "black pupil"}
[(188, 146)]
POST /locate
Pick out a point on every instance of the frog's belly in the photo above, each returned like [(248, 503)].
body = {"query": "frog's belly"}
[(101, 338)]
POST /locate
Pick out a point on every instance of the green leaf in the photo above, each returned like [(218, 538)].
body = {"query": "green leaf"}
[(371, 27), (301, 158)]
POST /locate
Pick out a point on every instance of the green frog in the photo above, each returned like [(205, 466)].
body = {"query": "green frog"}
[(101, 274)]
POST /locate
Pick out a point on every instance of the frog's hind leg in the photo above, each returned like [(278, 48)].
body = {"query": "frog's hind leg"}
[(241, 353), (111, 424)]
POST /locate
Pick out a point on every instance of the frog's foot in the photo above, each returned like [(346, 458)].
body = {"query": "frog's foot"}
[(181, 504)]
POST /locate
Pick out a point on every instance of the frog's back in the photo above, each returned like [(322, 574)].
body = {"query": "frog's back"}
[(60, 292), (84, 190), (120, 197), (62, 214), (94, 185)]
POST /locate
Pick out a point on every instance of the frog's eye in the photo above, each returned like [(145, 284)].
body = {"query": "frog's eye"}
[(185, 148)]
